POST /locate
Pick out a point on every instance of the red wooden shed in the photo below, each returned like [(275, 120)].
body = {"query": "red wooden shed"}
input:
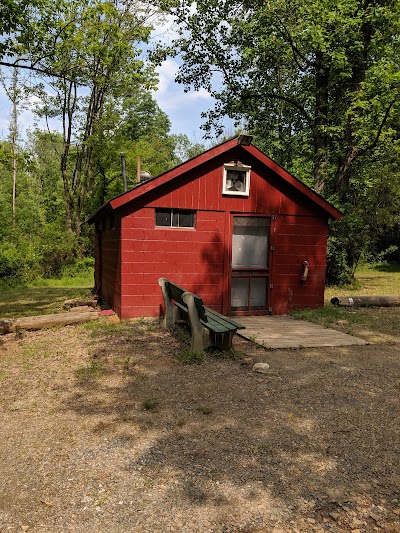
[(230, 225)]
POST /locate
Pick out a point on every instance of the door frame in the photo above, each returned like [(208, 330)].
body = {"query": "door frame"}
[(228, 274)]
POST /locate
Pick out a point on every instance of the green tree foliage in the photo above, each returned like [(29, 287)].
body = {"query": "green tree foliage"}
[(97, 85), (14, 20), (98, 50), (315, 80), (317, 83), (32, 244)]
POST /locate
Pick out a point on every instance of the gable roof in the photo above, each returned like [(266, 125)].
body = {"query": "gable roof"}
[(169, 175)]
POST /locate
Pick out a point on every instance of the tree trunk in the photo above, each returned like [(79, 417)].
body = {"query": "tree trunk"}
[(351, 150), (366, 301), (320, 134), (47, 321)]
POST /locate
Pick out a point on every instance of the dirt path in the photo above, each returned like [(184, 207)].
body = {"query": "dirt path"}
[(111, 434)]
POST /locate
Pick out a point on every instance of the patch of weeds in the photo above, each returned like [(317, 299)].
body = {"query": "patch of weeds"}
[(3, 374), (127, 329), (180, 422), (99, 328), (187, 357), (20, 333), (205, 409), (150, 405), (36, 352), (125, 363), (92, 371)]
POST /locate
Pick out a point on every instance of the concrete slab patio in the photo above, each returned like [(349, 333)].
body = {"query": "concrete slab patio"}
[(286, 332)]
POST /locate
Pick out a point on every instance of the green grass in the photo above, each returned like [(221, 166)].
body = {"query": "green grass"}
[(150, 405), (132, 329), (187, 357), (90, 372), (44, 296), (377, 280), (365, 322), (81, 281)]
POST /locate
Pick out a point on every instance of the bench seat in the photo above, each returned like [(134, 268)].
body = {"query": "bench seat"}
[(208, 327)]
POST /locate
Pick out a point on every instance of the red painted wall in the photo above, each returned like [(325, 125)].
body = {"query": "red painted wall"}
[(108, 265), (299, 239), (199, 259), (192, 258)]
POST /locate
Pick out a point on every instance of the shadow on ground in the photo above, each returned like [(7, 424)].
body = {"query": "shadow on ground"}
[(316, 439), (37, 301), (104, 430)]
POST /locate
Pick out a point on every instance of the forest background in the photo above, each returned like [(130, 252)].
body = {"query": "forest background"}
[(316, 82)]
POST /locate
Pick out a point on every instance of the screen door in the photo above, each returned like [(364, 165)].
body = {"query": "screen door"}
[(250, 264)]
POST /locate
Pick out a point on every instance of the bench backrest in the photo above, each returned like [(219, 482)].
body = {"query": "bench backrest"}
[(175, 293)]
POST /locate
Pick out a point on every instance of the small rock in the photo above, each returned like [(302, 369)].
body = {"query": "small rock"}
[(342, 322), (24, 528), (262, 368), (396, 511), (335, 516), (356, 531), (247, 361)]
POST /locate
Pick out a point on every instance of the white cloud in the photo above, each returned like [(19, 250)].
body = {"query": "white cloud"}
[(167, 72), (202, 94), (171, 95)]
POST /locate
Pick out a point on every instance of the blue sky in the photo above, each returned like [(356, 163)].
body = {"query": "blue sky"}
[(184, 109)]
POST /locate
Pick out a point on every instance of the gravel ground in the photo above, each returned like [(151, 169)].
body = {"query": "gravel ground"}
[(110, 433)]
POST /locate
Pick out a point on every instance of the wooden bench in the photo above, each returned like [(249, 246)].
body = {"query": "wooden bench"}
[(209, 328)]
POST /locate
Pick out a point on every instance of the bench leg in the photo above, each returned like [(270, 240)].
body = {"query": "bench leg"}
[(169, 318), (200, 340), (223, 341), (200, 335)]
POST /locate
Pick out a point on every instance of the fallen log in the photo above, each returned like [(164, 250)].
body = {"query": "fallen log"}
[(47, 321), (366, 301)]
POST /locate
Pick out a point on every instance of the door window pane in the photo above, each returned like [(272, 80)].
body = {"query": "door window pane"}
[(250, 242), (258, 293), (240, 294)]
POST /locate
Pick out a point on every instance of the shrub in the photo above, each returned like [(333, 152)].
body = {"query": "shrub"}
[(79, 267), (58, 248), (18, 263)]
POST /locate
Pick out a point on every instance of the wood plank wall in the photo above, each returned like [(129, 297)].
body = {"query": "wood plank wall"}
[(199, 259)]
